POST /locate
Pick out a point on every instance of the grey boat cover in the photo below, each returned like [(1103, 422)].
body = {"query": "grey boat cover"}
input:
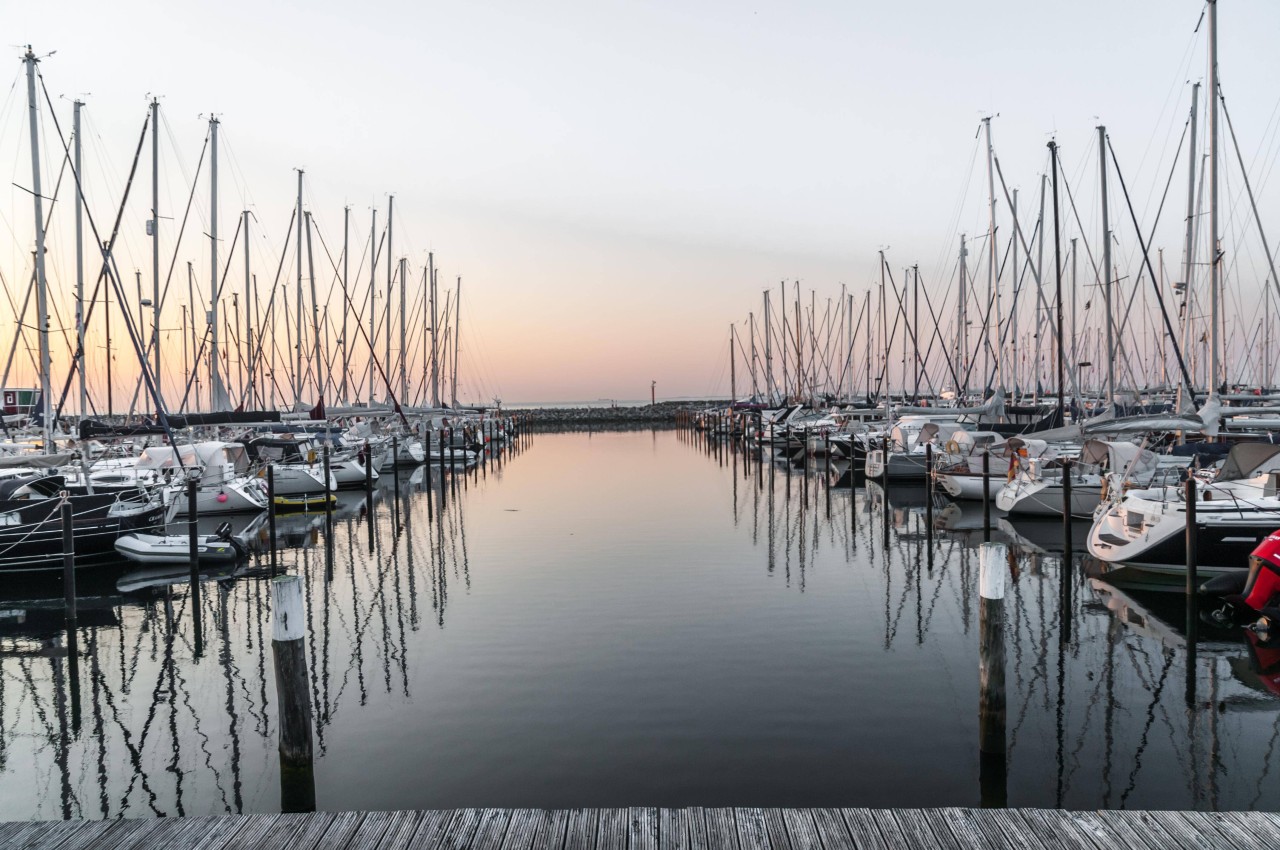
[(1245, 458)]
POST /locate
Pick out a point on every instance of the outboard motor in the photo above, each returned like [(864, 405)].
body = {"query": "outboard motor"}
[(1252, 597), (223, 531)]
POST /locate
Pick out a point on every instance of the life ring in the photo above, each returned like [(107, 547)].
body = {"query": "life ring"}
[(953, 448)]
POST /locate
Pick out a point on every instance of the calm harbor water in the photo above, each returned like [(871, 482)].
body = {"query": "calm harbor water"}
[(628, 618)]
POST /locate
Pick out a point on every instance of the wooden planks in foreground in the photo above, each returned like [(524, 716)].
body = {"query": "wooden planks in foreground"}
[(659, 829)]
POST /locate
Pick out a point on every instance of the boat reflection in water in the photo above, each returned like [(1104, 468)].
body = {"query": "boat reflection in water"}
[(642, 615)]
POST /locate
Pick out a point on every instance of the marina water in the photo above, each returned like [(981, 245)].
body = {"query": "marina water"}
[(626, 618)]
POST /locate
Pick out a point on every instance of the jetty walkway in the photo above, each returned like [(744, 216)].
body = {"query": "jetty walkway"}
[(657, 829)]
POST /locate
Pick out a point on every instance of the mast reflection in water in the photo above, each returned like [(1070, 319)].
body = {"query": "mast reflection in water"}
[(626, 618)]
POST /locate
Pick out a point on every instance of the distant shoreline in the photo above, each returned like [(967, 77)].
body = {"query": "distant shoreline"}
[(662, 412)]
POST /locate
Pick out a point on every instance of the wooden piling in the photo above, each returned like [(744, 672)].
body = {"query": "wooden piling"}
[(986, 497), (69, 606), (68, 563), (293, 695), (193, 549), (993, 769)]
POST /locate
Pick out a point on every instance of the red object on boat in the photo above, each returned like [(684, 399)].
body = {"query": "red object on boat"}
[(1263, 586)]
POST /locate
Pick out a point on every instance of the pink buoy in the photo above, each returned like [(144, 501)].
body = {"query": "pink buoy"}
[(222, 497)]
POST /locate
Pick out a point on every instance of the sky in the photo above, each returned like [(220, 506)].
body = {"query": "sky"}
[(616, 182)]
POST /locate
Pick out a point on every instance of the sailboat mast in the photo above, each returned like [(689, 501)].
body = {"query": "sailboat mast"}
[(782, 308), (1215, 268), (1106, 268), (404, 366), (318, 361), (84, 396), (246, 341), (386, 322), (435, 320), (457, 338), (993, 288), (1057, 274), (155, 237), (768, 349), (733, 373), (373, 286), (42, 283), (962, 326), (1189, 248), (297, 352), (216, 391), (346, 265)]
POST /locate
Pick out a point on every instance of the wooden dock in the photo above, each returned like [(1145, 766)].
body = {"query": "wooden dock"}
[(657, 829)]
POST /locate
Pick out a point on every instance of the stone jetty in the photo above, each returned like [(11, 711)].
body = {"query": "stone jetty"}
[(662, 413)]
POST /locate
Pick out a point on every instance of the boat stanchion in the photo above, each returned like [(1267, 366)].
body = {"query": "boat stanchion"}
[(293, 695), (992, 766), (193, 553), (1068, 559), (271, 516), (986, 497), (1193, 618)]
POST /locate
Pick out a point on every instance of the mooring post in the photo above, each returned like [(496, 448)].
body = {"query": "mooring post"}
[(68, 563), (928, 496), (69, 606), (193, 550), (293, 695), (992, 770), (1193, 618), (986, 497), (884, 489), (395, 483), (271, 516)]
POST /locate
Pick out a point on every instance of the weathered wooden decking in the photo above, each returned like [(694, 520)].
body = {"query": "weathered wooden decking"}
[(655, 829)]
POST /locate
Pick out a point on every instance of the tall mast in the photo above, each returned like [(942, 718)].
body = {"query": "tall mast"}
[(768, 349), (755, 386), (404, 365), (457, 338), (373, 286), (217, 393), (297, 352), (1189, 248), (782, 308), (42, 284), (1215, 269), (915, 331), (962, 326), (346, 261), (1075, 290), (386, 322), (1106, 268), (1013, 318), (993, 289), (849, 340), (435, 321), (84, 396), (155, 238), (246, 379), (1057, 274), (733, 371), (322, 376), (799, 353)]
